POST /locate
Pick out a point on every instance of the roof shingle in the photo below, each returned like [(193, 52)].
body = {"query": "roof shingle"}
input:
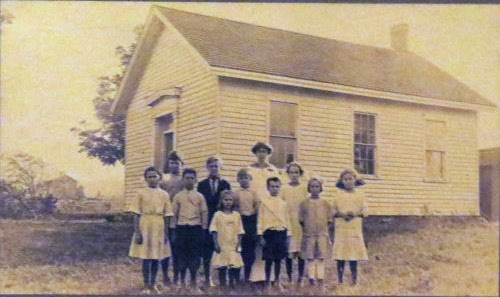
[(235, 45)]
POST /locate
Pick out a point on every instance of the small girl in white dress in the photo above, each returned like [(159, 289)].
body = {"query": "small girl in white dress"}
[(227, 231)]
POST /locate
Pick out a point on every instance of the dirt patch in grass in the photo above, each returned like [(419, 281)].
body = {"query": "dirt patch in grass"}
[(408, 256)]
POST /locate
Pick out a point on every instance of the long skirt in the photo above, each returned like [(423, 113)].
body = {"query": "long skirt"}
[(153, 244)]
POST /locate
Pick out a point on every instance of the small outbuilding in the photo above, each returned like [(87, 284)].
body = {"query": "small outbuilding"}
[(489, 183)]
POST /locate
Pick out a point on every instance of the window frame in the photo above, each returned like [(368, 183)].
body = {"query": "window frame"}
[(159, 136), (278, 136), (426, 178), (374, 145)]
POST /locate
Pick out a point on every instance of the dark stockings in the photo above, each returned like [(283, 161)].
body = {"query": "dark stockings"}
[(353, 265), (192, 271), (222, 276), (247, 270), (175, 258), (340, 270), (277, 269), (149, 271), (289, 267), (234, 276), (164, 269), (193, 266), (206, 269), (354, 271)]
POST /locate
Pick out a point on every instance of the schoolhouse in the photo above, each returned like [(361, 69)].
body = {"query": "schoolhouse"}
[(205, 85)]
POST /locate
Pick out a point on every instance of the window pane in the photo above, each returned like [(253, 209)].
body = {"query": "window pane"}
[(371, 137), (360, 167), (371, 122), (370, 167), (283, 116), (357, 152), (283, 148), (364, 159), (357, 165), (357, 136), (370, 153)]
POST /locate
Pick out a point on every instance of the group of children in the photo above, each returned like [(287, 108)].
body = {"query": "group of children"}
[(254, 227)]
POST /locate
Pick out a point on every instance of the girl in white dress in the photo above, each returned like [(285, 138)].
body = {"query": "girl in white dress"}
[(152, 210), (227, 231), (294, 193), (350, 209)]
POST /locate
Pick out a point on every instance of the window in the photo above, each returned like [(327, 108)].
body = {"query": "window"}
[(283, 135), (164, 140), (435, 132), (364, 143)]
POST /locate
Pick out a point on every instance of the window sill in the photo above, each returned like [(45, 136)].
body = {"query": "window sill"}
[(437, 181), (370, 177)]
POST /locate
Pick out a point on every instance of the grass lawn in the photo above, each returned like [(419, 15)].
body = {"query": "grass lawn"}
[(408, 256)]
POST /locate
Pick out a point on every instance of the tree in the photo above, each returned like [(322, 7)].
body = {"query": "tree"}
[(107, 142), (24, 172), (22, 192), (6, 17)]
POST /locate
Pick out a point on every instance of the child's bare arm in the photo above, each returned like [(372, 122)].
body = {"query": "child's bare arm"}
[(216, 243), (260, 223), (238, 247), (137, 230), (204, 214), (256, 202), (301, 215)]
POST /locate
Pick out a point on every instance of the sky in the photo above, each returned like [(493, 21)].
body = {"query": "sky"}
[(53, 53)]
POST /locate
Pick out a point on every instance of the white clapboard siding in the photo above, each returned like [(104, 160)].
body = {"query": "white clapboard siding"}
[(325, 126), (243, 122), (171, 63)]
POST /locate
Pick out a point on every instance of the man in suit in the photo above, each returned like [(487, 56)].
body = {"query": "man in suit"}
[(210, 188)]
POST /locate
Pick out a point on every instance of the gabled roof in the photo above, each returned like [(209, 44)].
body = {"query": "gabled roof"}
[(240, 46), (236, 45), (64, 177)]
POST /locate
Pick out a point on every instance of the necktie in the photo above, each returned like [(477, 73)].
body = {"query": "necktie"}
[(213, 186)]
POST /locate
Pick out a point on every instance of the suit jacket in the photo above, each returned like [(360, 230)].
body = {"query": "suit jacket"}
[(212, 200)]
